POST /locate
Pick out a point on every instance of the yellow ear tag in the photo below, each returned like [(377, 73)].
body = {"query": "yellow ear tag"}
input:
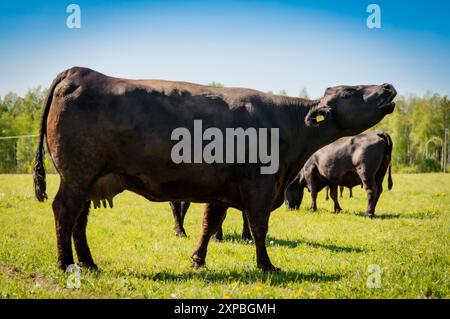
[(320, 118)]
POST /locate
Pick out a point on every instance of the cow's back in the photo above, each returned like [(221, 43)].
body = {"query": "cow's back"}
[(339, 161)]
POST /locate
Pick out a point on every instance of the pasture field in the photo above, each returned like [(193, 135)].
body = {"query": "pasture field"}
[(322, 255)]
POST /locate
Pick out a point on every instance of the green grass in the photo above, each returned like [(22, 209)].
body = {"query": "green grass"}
[(322, 255)]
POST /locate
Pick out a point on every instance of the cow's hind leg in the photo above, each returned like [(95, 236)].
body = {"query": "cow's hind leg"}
[(80, 240), (371, 188), (67, 207), (379, 191), (379, 184), (212, 219)]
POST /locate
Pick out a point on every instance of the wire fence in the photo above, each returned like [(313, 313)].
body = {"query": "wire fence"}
[(17, 154)]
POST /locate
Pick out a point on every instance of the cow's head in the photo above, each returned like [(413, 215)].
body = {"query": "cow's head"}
[(353, 108)]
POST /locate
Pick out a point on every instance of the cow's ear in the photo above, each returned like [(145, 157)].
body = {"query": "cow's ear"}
[(319, 116)]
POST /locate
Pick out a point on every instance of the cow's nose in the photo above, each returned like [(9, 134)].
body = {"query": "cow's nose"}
[(390, 88)]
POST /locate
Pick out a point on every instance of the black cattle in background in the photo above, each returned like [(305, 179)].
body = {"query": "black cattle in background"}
[(349, 161)]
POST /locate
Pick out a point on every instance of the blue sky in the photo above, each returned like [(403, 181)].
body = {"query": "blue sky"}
[(266, 45)]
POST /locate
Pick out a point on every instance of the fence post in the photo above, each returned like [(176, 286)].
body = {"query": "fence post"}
[(445, 151)]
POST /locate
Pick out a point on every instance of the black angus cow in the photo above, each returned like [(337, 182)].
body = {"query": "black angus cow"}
[(106, 135), (349, 161)]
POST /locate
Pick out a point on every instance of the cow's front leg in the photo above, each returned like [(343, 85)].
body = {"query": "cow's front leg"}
[(212, 219), (178, 217), (246, 234), (314, 187), (313, 199), (218, 236), (259, 225), (334, 197)]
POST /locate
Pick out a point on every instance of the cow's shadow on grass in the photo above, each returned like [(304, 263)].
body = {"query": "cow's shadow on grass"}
[(245, 276), (272, 241), (377, 216), (427, 214), (382, 216)]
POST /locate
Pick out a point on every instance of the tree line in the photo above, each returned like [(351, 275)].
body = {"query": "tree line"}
[(417, 127)]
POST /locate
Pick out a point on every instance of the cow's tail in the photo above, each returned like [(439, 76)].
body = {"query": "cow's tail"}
[(386, 137), (39, 167), (390, 184)]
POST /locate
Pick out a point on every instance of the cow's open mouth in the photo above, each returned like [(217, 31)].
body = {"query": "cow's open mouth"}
[(387, 107)]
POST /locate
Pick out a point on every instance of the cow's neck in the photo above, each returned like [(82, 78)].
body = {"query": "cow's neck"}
[(302, 141)]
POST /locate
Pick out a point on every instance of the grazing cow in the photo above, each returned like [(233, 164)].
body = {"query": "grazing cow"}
[(107, 134), (349, 161), (179, 210)]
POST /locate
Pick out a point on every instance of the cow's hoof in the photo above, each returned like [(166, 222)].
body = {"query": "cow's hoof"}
[(337, 210), (90, 266), (196, 265), (247, 237), (269, 268), (369, 215), (197, 262), (312, 209), (217, 238), (63, 265), (181, 234)]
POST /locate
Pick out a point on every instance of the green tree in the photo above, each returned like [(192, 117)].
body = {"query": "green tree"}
[(303, 94), (283, 92), (216, 85)]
